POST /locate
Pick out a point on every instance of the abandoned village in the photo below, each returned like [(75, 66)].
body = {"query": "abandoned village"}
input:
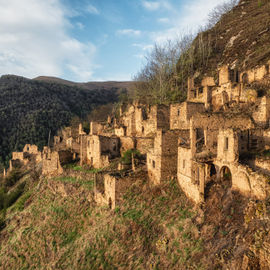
[(220, 134)]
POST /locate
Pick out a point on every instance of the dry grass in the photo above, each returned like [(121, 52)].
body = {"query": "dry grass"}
[(153, 228)]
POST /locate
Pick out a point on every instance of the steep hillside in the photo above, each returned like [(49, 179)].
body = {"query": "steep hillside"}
[(241, 39), (56, 224), (30, 109)]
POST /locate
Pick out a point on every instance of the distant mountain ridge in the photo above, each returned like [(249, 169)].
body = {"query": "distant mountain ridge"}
[(87, 85)]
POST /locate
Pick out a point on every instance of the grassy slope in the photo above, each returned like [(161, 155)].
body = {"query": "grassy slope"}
[(56, 225), (151, 228)]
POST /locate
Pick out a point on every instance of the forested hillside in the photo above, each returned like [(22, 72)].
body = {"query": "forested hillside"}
[(30, 109)]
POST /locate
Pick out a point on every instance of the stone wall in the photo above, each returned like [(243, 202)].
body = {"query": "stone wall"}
[(18, 155), (30, 152), (94, 151), (185, 175), (262, 114), (126, 143), (144, 144), (228, 149), (255, 74), (142, 120), (108, 190), (223, 75), (210, 123), (51, 165), (101, 149), (154, 159), (31, 149), (96, 128), (162, 159), (180, 114), (53, 162), (120, 132)]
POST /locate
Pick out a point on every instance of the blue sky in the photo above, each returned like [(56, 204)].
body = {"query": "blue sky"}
[(90, 40)]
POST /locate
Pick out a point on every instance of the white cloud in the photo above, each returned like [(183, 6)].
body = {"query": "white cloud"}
[(163, 20), (151, 5), (80, 25), (144, 47), (92, 9), (193, 15), (34, 41), (129, 32), (155, 5)]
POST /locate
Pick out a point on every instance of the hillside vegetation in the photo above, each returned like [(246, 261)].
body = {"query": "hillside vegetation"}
[(241, 39), (55, 224), (30, 109)]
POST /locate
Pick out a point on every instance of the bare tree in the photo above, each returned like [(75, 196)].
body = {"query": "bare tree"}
[(215, 15), (160, 76)]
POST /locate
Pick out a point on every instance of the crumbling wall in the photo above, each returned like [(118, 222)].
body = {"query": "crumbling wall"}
[(223, 75), (126, 143), (144, 144), (120, 132), (51, 165), (31, 149), (30, 152), (109, 184), (18, 155), (169, 155), (110, 146), (163, 117), (53, 162), (101, 149), (180, 114), (94, 150), (106, 196), (96, 128), (66, 133), (211, 123), (154, 159), (228, 150), (162, 159), (128, 120), (262, 114), (185, 174), (255, 74), (56, 140)]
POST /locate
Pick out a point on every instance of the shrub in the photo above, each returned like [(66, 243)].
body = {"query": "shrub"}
[(21, 201), (12, 197), (127, 156), (2, 219), (13, 178)]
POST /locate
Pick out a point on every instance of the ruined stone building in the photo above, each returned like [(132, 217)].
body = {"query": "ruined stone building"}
[(108, 190), (53, 161), (221, 138), (218, 135), (162, 158), (29, 153), (101, 150)]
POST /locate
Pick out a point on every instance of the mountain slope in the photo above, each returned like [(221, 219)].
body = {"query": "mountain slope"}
[(240, 39), (29, 109)]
